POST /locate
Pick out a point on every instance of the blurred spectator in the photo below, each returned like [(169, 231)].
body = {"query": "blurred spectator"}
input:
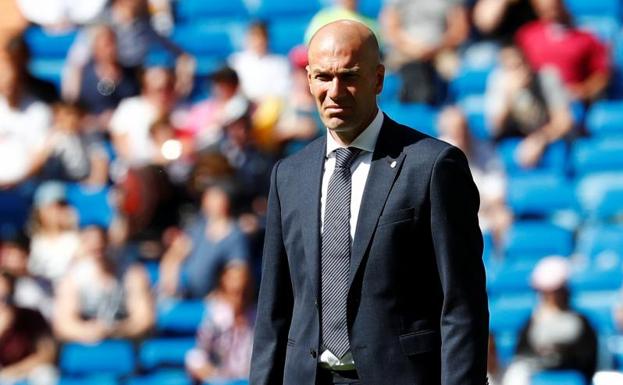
[(17, 53), (55, 239), (556, 337), (31, 292), (132, 120), (60, 14), (486, 167), (262, 74), (339, 10), (299, 122), (225, 336), (64, 156), (500, 19), (136, 37), (27, 350), (192, 263), (530, 105), (96, 299), (422, 36), (12, 22), (24, 124), (553, 41), (204, 122), (103, 82)]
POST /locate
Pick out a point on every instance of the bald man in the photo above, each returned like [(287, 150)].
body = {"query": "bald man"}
[(372, 270)]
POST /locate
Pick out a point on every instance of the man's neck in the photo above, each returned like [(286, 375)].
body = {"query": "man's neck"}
[(345, 138)]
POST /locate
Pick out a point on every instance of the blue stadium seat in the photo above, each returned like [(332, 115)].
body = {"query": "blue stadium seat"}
[(191, 10), (473, 107), (600, 241), (553, 160), (605, 118), (605, 28), (179, 317), (44, 44), (469, 82), (88, 380), (510, 311), (419, 116), (202, 39), (391, 88), (164, 352), (537, 239), (540, 194), (558, 378), (114, 357), (510, 278), (286, 34), (370, 8), (93, 205), (14, 211), (593, 7), (595, 193), (162, 377), (597, 306), (284, 9), (610, 206), (597, 155), (47, 69)]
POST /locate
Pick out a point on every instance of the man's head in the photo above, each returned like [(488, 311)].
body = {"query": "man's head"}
[(550, 10), (345, 74)]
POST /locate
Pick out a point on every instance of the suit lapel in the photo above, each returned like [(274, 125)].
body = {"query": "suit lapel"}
[(310, 183), (386, 164)]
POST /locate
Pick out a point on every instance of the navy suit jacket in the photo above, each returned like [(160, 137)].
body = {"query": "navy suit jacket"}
[(417, 305)]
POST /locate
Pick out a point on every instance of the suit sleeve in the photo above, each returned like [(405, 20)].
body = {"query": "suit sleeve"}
[(275, 300), (458, 246)]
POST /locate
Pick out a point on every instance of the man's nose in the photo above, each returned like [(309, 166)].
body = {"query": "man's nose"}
[(336, 88)]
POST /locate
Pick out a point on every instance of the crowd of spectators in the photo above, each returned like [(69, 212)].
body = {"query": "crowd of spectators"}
[(120, 167)]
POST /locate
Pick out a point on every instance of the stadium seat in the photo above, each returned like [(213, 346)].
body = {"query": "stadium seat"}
[(537, 239), (162, 377), (114, 357), (191, 10), (286, 34), (540, 195), (164, 352), (593, 7), (47, 69), (599, 241), (597, 306), (605, 28), (88, 380), (605, 118), (391, 88), (473, 107), (418, 116), (48, 45), (510, 311), (595, 193), (594, 278), (14, 209), (370, 8), (610, 206), (280, 9), (202, 39), (510, 278), (553, 160), (93, 205), (558, 378), (469, 82), (179, 317), (597, 155)]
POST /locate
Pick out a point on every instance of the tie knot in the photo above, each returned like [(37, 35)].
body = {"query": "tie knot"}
[(344, 156)]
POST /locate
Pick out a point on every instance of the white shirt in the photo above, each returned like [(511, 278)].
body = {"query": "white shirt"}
[(366, 141), (262, 76), (134, 117)]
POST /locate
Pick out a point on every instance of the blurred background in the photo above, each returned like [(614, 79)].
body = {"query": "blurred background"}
[(137, 137)]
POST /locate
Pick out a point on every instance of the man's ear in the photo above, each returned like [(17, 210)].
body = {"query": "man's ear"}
[(380, 77), (308, 69)]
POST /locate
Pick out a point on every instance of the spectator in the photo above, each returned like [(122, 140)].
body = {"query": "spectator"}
[(24, 124), (103, 82), (96, 299), (27, 350), (500, 19), (421, 34), (225, 336), (193, 261), (530, 105), (486, 168), (132, 120), (556, 337), (31, 292), (204, 122), (340, 10), (262, 74), (552, 41), (61, 14), (55, 239)]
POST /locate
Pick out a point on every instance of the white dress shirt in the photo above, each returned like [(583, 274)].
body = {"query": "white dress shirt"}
[(366, 141)]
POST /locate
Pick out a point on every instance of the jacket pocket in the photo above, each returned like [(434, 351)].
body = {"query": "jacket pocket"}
[(397, 216), (420, 341)]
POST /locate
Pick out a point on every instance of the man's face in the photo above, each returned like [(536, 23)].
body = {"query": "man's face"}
[(344, 85), (551, 10)]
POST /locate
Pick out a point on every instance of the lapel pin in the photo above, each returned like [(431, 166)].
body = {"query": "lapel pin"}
[(393, 164)]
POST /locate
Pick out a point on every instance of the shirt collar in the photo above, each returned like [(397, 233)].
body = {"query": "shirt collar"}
[(366, 141)]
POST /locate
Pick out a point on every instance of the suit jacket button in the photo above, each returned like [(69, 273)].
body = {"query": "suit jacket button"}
[(313, 353)]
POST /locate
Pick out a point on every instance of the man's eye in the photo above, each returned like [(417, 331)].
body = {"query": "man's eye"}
[(324, 78)]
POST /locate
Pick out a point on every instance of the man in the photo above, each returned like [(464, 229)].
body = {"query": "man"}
[(372, 268)]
